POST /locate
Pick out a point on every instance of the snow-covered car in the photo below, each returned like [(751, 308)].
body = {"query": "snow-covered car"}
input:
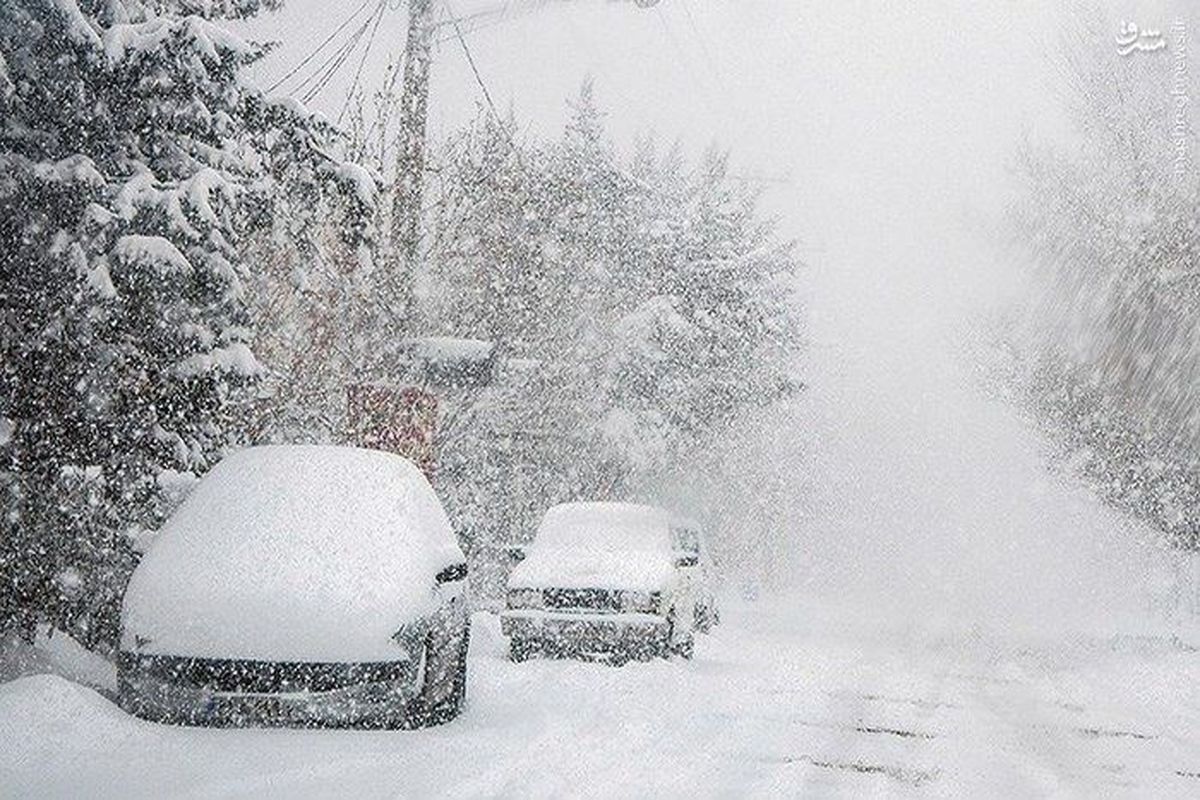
[(610, 579), (300, 586)]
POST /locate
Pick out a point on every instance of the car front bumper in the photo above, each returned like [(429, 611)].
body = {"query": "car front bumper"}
[(164, 689), (583, 632)]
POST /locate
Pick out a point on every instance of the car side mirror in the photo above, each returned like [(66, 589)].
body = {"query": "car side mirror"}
[(452, 573), (686, 560)]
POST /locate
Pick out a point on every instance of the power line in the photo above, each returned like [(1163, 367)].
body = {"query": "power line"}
[(320, 71), (703, 41), (508, 137), (362, 61), (471, 61), (337, 63), (702, 90), (320, 47)]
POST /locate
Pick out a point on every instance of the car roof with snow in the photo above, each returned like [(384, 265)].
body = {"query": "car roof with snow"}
[(600, 545), (298, 553)]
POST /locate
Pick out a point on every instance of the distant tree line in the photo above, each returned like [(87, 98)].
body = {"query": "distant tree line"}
[(1111, 363)]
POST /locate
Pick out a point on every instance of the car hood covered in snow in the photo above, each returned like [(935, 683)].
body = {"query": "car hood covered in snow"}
[(292, 554), (599, 546), (598, 569)]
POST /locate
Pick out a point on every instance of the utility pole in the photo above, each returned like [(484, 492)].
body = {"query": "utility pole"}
[(410, 161)]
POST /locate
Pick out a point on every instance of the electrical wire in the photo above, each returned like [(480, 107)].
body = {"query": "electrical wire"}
[(362, 61), (701, 39), (319, 47), (320, 71), (702, 90), (333, 69), (474, 68)]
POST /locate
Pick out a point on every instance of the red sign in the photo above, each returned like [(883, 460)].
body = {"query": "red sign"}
[(396, 420)]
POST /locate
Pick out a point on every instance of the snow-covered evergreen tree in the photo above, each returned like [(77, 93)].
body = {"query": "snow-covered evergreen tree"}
[(652, 300), (135, 168)]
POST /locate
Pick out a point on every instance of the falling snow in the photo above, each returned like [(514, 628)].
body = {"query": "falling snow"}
[(775, 404)]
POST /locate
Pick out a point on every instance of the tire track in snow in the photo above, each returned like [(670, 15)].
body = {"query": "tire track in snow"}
[(861, 740)]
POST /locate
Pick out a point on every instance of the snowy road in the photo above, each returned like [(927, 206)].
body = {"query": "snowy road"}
[(772, 706)]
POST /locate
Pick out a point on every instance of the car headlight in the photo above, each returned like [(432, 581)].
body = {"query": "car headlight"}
[(641, 602), (524, 598), (411, 641)]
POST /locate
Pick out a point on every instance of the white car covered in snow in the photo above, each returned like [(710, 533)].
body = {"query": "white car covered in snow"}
[(613, 579), (300, 586)]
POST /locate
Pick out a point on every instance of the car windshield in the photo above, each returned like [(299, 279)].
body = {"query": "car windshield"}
[(604, 527)]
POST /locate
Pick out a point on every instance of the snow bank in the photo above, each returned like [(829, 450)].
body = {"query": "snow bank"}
[(52, 713), (72, 661), (600, 546), (776, 704), (55, 652), (293, 553)]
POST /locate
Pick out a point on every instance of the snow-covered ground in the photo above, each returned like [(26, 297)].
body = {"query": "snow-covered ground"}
[(786, 699)]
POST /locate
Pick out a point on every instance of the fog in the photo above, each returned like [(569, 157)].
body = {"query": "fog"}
[(883, 134)]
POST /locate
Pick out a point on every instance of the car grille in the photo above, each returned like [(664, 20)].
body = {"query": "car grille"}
[(259, 677), (582, 599)]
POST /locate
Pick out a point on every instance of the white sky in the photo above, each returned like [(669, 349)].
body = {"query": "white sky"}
[(830, 96)]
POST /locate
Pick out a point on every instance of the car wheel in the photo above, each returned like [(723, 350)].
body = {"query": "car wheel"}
[(448, 709), (679, 646), (685, 648), (519, 649)]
